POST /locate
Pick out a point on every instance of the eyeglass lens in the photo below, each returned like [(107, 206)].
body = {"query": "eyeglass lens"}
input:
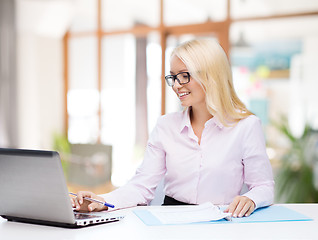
[(182, 78)]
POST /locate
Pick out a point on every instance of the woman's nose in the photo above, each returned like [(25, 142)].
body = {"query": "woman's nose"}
[(177, 85)]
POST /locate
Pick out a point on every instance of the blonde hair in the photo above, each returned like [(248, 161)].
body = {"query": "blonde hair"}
[(209, 65)]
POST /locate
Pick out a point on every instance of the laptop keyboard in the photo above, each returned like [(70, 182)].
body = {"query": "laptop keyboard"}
[(84, 216)]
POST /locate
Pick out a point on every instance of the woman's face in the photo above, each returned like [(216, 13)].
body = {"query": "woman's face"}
[(190, 94)]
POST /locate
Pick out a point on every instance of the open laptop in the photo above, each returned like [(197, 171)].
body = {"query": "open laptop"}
[(33, 189)]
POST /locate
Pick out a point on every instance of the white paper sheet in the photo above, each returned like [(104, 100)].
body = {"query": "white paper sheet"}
[(189, 214)]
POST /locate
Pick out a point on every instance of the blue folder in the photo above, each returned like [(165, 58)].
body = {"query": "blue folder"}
[(266, 214)]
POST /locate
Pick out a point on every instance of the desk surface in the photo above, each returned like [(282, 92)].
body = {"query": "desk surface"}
[(131, 227)]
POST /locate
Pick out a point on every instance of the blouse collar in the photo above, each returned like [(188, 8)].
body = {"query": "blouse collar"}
[(185, 122)]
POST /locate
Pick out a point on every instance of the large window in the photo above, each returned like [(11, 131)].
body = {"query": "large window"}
[(83, 95), (118, 53)]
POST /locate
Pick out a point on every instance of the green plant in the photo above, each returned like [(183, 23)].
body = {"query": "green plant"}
[(295, 178), (63, 147)]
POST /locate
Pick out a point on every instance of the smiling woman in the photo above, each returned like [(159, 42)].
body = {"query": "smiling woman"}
[(189, 92), (194, 148), (213, 83)]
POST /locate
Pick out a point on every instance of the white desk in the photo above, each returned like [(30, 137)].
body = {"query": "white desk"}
[(131, 227)]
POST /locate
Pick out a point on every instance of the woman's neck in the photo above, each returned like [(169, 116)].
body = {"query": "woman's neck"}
[(200, 115)]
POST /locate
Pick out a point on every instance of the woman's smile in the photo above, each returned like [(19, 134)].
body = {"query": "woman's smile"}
[(183, 95)]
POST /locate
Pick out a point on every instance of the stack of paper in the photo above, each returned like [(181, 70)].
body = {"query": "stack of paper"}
[(189, 214)]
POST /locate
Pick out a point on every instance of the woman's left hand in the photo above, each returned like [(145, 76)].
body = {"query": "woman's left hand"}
[(241, 206)]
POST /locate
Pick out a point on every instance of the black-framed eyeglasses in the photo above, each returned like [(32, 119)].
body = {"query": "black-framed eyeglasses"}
[(182, 78)]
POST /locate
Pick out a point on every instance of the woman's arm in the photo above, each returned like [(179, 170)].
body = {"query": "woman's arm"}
[(140, 189), (258, 174)]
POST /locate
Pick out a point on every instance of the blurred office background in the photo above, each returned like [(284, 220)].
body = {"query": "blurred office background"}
[(90, 72)]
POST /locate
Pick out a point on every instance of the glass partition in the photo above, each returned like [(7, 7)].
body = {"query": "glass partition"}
[(118, 102), (259, 8), (182, 12), (85, 16), (83, 95), (125, 14), (119, 98), (154, 79)]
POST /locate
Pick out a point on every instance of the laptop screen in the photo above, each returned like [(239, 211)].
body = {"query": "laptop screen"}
[(32, 185)]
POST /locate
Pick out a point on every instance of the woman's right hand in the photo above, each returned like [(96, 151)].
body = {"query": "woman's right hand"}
[(83, 205)]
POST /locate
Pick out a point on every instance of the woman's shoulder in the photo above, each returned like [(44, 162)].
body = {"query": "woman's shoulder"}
[(167, 123), (250, 121), (174, 116), (251, 118)]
